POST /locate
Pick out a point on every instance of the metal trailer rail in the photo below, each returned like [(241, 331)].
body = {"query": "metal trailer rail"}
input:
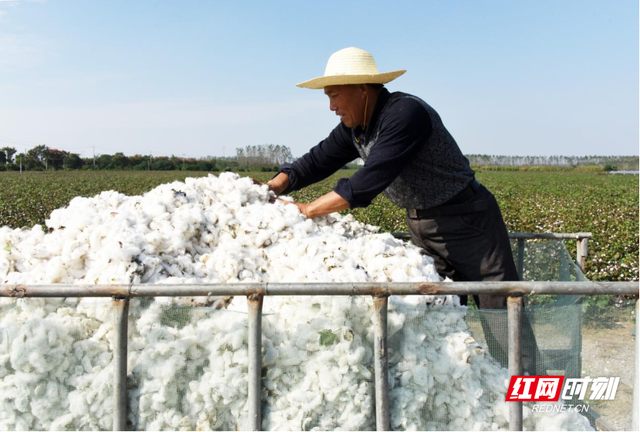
[(582, 247), (379, 291)]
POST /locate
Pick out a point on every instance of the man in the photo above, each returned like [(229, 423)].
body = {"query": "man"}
[(410, 157)]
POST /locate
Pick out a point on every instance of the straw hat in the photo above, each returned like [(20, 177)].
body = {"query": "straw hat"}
[(351, 66)]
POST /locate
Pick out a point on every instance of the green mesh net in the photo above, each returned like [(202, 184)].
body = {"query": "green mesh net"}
[(551, 325)]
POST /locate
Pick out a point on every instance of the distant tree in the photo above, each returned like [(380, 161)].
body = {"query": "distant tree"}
[(103, 161), (242, 160), (162, 164), (176, 162), (54, 159), (263, 156), (119, 161), (35, 159), (73, 161), (8, 152), (18, 161), (138, 162), (205, 165)]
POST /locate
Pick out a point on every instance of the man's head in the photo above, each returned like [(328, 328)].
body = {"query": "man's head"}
[(353, 103)]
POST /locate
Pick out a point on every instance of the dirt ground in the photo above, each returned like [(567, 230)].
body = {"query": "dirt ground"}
[(610, 352)]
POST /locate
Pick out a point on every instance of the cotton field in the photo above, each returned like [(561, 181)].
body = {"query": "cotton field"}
[(188, 365)]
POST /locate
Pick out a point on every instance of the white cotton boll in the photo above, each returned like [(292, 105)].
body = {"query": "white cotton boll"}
[(77, 404)]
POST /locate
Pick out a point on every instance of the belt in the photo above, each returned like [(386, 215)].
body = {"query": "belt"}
[(456, 205)]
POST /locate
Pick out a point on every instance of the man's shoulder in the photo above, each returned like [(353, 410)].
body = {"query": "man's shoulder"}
[(406, 99), (405, 105)]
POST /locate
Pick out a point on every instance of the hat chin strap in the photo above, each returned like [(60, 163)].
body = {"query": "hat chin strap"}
[(366, 106)]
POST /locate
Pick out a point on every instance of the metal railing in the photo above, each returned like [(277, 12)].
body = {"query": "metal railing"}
[(582, 247), (379, 291)]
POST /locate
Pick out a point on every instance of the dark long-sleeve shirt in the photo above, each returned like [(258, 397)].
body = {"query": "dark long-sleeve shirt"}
[(408, 154)]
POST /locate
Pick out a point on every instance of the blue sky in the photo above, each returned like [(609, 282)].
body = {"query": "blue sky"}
[(201, 78)]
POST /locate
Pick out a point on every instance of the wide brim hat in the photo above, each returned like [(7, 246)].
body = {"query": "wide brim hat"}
[(351, 66)]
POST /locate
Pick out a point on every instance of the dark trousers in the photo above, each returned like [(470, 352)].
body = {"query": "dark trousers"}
[(468, 243), (468, 240)]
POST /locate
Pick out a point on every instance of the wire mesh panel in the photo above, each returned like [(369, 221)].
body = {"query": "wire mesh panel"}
[(545, 260), (188, 367), (318, 363), (551, 337), (445, 379), (56, 364), (442, 378), (551, 324)]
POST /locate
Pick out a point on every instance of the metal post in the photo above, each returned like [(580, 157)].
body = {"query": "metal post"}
[(121, 325), (564, 274), (521, 258), (514, 314), (380, 304), (634, 423), (254, 303), (581, 253)]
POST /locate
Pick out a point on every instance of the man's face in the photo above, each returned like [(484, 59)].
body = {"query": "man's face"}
[(347, 101)]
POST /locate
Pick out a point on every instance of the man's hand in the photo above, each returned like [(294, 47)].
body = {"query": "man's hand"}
[(329, 203), (303, 207), (259, 183), (279, 183)]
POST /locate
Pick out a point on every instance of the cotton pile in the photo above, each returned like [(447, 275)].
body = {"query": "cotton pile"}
[(188, 366)]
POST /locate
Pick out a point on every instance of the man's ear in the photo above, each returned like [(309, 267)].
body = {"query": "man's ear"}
[(364, 90)]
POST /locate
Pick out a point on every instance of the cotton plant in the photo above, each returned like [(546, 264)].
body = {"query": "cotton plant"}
[(188, 365)]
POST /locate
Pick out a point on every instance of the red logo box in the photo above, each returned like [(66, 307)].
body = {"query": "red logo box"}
[(538, 388)]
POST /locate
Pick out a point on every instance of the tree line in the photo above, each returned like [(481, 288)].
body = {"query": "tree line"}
[(609, 163), (264, 157)]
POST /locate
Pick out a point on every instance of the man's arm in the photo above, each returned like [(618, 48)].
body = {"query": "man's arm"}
[(324, 159), (329, 203)]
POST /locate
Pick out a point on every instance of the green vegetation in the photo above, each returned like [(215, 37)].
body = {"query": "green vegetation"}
[(327, 337), (565, 201)]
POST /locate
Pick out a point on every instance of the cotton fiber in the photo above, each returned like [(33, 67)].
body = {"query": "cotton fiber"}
[(188, 365)]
